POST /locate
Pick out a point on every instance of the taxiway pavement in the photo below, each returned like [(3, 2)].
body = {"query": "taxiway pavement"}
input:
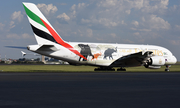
[(90, 90)]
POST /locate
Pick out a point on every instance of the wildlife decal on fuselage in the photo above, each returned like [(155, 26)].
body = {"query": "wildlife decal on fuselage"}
[(96, 52), (108, 53), (85, 51)]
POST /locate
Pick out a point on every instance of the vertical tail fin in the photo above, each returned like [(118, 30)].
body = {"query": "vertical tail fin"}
[(42, 29)]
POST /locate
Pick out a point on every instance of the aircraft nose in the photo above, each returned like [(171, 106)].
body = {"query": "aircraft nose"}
[(174, 59)]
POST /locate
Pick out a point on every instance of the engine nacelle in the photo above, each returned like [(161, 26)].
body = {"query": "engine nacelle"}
[(155, 62), (154, 67)]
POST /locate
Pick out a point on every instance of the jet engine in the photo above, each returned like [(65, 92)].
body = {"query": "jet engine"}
[(155, 62)]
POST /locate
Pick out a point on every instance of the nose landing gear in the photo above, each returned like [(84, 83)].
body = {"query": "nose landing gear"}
[(167, 67)]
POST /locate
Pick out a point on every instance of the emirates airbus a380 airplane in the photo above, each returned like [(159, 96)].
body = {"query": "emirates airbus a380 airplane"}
[(102, 55)]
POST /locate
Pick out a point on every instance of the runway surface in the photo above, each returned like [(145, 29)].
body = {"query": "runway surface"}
[(89, 90)]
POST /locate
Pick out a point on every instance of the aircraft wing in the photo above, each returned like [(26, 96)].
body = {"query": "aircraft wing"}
[(136, 59), (18, 47)]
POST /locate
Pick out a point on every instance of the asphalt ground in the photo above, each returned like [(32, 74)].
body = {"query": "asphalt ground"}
[(90, 90)]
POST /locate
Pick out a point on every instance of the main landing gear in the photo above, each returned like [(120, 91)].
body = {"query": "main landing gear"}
[(104, 69), (109, 69), (121, 69), (167, 67)]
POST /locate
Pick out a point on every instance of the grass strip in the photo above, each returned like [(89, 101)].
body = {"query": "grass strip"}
[(69, 68)]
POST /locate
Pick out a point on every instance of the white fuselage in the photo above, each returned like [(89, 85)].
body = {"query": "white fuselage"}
[(105, 54)]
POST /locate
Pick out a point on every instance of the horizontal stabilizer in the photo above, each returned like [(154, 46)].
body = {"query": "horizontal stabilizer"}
[(47, 48), (44, 47)]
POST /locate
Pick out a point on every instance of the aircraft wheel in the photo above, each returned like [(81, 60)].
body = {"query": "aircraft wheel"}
[(104, 69), (121, 69), (97, 69), (167, 70), (111, 69)]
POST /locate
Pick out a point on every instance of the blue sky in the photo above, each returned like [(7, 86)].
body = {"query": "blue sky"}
[(113, 21)]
